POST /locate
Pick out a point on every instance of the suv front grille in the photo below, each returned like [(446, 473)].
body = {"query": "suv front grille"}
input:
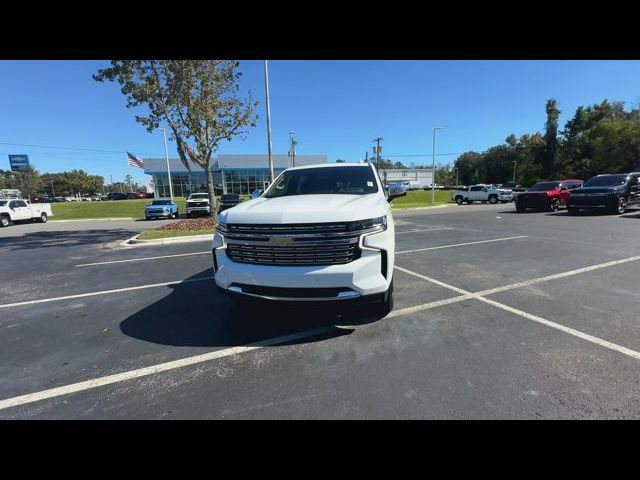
[(292, 244), (297, 253)]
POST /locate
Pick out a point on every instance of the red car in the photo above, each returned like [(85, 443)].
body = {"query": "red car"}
[(136, 195), (549, 195)]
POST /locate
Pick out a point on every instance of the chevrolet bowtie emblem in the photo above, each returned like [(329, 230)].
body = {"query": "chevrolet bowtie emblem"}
[(280, 240)]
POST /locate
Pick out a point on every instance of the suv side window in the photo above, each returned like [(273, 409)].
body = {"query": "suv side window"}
[(476, 189)]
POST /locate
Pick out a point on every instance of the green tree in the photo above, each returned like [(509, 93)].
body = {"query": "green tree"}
[(198, 99), (28, 181), (550, 138)]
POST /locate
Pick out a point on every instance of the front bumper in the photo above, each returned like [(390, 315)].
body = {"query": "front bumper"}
[(538, 201), (198, 209), (507, 197), (156, 214), (592, 202), (361, 279)]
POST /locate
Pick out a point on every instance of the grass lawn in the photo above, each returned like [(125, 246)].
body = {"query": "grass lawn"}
[(422, 198), (135, 208), (154, 234), (104, 209)]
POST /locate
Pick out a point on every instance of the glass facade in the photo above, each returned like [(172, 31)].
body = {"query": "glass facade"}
[(246, 180), (242, 181)]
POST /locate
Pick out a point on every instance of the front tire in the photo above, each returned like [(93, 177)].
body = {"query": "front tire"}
[(493, 200), (554, 206), (459, 200), (622, 206), (4, 221), (43, 217)]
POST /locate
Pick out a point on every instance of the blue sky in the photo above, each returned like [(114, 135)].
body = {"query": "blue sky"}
[(335, 107)]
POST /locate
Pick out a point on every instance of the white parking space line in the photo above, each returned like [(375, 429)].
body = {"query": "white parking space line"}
[(463, 244), (556, 276), (105, 292), (142, 259), (543, 321), (425, 230), (162, 367), (464, 295)]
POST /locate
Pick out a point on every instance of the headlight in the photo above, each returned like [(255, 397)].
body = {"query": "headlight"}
[(370, 225), (221, 228)]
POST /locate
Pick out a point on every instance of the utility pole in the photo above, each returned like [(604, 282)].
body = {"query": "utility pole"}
[(377, 151), (53, 189), (292, 152), (433, 168), (457, 182), (266, 89), (514, 171)]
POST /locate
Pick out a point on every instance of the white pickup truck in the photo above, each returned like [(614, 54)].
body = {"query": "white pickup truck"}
[(482, 193), (198, 204), (320, 233), (17, 209)]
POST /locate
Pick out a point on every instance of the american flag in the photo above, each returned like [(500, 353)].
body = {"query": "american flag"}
[(135, 161)]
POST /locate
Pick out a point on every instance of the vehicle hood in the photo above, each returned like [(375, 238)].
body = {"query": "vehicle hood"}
[(590, 190), (307, 209)]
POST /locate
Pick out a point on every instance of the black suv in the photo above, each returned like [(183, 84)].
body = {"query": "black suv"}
[(612, 193), (228, 200)]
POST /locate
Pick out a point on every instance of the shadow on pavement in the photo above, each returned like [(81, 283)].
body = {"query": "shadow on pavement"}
[(64, 238), (197, 314)]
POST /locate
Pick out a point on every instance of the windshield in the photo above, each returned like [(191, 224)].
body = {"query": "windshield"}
[(230, 198), (161, 202), (606, 181), (544, 186), (199, 195), (358, 180)]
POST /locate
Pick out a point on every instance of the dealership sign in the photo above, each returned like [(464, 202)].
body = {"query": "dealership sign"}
[(18, 161)]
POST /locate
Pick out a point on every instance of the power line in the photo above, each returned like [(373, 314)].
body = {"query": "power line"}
[(73, 148)]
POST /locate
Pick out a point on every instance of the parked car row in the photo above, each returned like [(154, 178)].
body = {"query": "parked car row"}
[(612, 193), (196, 204)]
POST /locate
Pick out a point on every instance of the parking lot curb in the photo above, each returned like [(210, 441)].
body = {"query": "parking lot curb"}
[(92, 219), (165, 241), (400, 209)]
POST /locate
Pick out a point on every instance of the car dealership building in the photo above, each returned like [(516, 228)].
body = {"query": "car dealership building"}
[(240, 174)]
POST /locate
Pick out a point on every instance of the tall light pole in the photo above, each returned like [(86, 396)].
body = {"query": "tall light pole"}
[(266, 89), (53, 189), (514, 171), (457, 182), (433, 168), (166, 156), (292, 152)]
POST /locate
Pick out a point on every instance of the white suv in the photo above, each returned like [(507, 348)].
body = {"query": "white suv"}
[(319, 233)]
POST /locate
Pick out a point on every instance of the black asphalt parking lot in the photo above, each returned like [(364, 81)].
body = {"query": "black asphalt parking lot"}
[(497, 315)]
